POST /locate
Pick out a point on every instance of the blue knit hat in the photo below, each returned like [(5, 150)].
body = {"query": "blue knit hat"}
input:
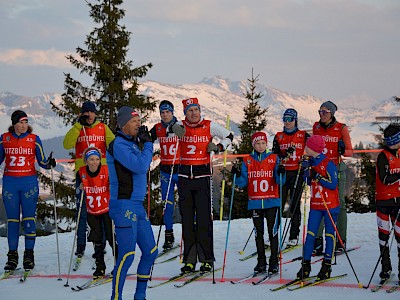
[(290, 113), (88, 106)]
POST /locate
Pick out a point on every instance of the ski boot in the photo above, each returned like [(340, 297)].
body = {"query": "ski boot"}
[(261, 266), (326, 270), (187, 268), (100, 264), (12, 261), (305, 270), (169, 239), (29, 260), (339, 249), (205, 267), (292, 243), (386, 263), (273, 269), (273, 266), (80, 250), (318, 246)]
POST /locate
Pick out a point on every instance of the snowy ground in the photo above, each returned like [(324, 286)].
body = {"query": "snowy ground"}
[(44, 285)]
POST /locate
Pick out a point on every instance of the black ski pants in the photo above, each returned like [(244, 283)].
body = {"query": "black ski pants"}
[(195, 205)]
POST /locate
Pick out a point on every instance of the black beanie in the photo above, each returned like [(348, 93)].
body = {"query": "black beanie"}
[(17, 116)]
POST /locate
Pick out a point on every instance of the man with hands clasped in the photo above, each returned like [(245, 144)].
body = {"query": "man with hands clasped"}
[(195, 171)]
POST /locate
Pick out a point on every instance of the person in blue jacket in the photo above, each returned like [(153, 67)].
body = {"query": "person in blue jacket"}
[(128, 166), (262, 172), (19, 148)]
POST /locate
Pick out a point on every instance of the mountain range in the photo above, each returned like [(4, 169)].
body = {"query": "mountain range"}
[(218, 98)]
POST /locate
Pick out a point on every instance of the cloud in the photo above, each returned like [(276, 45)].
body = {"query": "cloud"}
[(23, 57)]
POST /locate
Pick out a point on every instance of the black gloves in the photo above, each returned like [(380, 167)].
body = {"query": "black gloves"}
[(51, 162), (341, 147), (178, 129), (235, 170), (83, 120), (144, 135), (281, 170), (289, 151), (216, 148)]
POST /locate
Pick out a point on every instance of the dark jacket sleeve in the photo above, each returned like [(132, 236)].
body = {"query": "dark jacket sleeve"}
[(383, 168)]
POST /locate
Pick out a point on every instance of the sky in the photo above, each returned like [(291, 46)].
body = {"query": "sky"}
[(333, 49)]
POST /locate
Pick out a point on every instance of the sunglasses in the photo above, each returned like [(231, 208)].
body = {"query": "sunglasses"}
[(324, 112), (288, 119)]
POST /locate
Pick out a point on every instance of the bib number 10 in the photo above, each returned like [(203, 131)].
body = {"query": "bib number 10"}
[(261, 186)]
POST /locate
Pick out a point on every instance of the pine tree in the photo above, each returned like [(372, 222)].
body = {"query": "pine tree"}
[(114, 80), (254, 120), (254, 117)]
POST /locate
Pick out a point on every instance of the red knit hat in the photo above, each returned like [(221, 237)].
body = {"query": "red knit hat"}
[(189, 103), (316, 143), (258, 136)]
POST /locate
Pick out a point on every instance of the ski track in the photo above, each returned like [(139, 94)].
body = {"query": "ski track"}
[(43, 283)]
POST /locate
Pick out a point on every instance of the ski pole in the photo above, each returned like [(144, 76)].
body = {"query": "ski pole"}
[(221, 208), (166, 200), (229, 225), (338, 235), (292, 193), (280, 226), (55, 218), (304, 228), (148, 194), (75, 234), (384, 249), (245, 245)]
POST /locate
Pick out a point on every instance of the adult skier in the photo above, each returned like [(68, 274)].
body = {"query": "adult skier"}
[(170, 159), (289, 145), (18, 148), (388, 196), (128, 166)]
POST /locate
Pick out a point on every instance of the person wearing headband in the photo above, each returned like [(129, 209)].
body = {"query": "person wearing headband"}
[(86, 131), (95, 185), (338, 144), (289, 145), (387, 196), (170, 159), (19, 148)]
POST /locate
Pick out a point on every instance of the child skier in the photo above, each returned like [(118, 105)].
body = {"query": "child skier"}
[(321, 173), (95, 184), (387, 196), (262, 173)]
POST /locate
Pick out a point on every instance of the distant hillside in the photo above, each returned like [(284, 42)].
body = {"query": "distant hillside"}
[(218, 98)]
